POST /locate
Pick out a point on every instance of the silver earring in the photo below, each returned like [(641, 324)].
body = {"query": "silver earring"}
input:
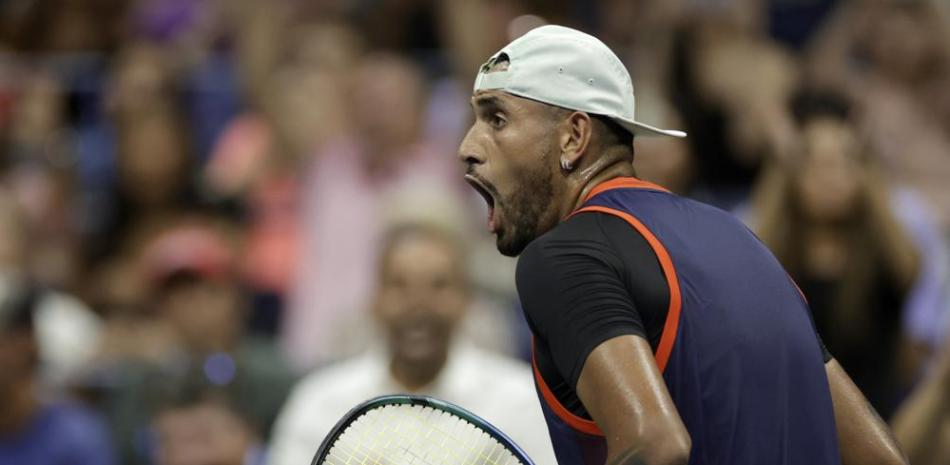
[(566, 164)]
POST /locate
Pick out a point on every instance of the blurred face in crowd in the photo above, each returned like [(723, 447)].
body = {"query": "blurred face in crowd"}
[(153, 158), (141, 81), (387, 100), (422, 296), (320, 62), (510, 157), (202, 434), (829, 180), (38, 112), (303, 125), (204, 312)]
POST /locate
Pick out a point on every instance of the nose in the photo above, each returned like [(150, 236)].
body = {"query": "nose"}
[(469, 153), (419, 300)]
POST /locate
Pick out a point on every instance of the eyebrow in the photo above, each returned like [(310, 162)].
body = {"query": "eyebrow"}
[(487, 101)]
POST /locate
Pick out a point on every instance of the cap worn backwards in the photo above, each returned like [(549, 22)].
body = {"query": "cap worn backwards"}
[(570, 69)]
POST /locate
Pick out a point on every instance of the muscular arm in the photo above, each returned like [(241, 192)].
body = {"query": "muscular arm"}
[(900, 253), (597, 293), (625, 395), (863, 437), (922, 422)]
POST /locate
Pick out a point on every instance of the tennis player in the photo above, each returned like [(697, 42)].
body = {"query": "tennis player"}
[(664, 331)]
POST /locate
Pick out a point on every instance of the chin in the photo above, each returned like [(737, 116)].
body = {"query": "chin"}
[(509, 251), (511, 247), (424, 356), (420, 357)]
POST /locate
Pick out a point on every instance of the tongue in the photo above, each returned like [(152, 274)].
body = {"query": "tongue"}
[(491, 219)]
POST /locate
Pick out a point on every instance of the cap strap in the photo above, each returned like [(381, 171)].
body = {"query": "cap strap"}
[(495, 79), (492, 80)]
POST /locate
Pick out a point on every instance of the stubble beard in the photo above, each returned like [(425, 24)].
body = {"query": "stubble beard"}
[(526, 206)]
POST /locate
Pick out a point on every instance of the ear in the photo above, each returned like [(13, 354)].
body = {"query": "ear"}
[(575, 138)]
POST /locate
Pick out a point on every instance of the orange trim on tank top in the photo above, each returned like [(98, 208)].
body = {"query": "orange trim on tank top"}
[(805, 299), (623, 183), (671, 326), (578, 423)]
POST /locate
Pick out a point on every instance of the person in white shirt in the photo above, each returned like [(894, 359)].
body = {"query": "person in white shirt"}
[(421, 297)]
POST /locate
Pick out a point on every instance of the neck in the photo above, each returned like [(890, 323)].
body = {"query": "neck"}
[(588, 178), (414, 375), (19, 405), (826, 251)]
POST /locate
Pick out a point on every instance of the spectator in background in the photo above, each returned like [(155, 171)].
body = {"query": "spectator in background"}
[(421, 297), (346, 186), (922, 424), (190, 272), (66, 330), (41, 231), (894, 58), (826, 215), (38, 163), (35, 430), (201, 427), (730, 86), (63, 27), (665, 161), (258, 158), (154, 159)]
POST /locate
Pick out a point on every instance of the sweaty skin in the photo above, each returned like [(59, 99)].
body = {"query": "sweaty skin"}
[(863, 437), (623, 390)]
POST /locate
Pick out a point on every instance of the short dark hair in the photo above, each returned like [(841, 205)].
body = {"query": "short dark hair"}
[(403, 230), (614, 134), (17, 309), (808, 104)]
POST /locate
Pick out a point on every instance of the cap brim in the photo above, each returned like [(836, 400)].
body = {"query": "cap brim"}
[(640, 129)]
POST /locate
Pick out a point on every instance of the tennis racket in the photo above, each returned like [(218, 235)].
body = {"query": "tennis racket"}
[(416, 430)]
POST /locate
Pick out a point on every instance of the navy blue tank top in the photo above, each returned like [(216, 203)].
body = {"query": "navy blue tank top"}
[(738, 350)]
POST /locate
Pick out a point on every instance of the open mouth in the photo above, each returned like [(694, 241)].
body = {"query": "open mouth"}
[(482, 188)]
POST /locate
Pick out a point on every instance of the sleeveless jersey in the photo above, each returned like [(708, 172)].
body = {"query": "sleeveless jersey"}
[(738, 351)]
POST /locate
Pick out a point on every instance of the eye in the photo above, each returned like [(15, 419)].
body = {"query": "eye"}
[(497, 121), (394, 283)]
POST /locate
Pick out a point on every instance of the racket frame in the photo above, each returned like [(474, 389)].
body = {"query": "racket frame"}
[(417, 400)]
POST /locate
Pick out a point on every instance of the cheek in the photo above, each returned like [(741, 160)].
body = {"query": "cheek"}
[(519, 152), (450, 305), (390, 305), (848, 198), (527, 176), (810, 192)]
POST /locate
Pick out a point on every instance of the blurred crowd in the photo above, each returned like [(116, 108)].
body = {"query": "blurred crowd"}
[(225, 222)]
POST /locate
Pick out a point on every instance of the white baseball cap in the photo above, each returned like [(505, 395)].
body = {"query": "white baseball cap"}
[(567, 68)]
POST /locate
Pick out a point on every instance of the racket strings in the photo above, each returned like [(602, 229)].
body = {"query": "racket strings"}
[(416, 435)]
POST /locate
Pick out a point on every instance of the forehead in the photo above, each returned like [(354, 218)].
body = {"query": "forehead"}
[(496, 99), (490, 97), (420, 252)]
